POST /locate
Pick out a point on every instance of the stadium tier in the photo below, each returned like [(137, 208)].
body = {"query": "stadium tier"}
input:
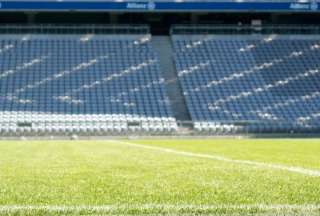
[(85, 84), (105, 83), (250, 83)]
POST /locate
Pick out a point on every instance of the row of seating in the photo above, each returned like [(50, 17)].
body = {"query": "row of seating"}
[(103, 84), (82, 84), (267, 83)]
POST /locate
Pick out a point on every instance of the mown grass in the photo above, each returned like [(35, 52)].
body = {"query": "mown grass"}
[(107, 173)]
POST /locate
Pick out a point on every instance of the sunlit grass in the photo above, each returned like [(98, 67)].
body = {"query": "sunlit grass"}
[(107, 173)]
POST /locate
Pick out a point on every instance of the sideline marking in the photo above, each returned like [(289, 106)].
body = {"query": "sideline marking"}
[(160, 207), (299, 170)]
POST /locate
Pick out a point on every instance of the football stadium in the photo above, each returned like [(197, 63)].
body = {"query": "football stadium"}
[(160, 107)]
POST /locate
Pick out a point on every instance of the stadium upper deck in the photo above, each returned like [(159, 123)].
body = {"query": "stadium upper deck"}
[(162, 5)]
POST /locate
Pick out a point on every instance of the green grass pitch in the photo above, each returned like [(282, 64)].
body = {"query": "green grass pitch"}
[(160, 177)]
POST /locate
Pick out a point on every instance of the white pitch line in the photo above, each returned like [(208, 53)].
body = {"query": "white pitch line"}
[(161, 207), (299, 170)]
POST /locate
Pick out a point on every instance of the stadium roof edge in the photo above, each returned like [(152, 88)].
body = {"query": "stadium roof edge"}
[(162, 5)]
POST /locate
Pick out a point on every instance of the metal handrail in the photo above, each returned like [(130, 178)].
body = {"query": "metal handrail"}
[(74, 29), (245, 29)]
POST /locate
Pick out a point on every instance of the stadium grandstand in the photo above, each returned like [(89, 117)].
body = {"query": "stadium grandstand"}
[(255, 83), (159, 67)]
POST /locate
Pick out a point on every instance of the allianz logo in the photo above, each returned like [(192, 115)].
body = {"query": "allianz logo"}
[(144, 6), (302, 6)]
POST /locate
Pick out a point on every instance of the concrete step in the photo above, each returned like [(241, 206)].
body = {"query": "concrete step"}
[(163, 46)]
